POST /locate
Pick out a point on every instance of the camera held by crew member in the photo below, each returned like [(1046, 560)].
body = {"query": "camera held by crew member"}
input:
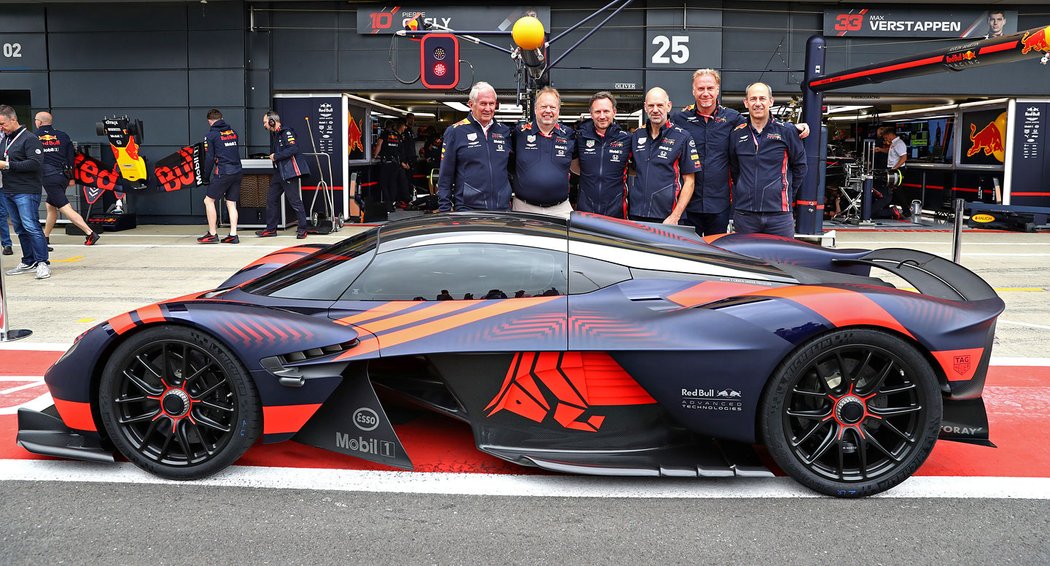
[(393, 167)]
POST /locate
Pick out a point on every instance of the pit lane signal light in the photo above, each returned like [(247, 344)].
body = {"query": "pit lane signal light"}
[(439, 61)]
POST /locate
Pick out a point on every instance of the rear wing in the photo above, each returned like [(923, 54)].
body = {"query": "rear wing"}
[(932, 275)]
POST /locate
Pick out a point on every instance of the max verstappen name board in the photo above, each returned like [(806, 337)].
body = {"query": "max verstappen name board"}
[(878, 22)]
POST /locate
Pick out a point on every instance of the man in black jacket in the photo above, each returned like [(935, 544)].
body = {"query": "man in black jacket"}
[(21, 166), (223, 158), (288, 168)]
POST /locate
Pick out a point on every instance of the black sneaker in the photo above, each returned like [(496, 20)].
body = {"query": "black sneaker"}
[(231, 239), (8, 250), (208, 238), (267, 233), (48, 240), (91, 239), (300, 235)]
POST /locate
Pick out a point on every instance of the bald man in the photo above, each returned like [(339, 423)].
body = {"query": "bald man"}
[(664, 158), (768, 165), (58, 160)]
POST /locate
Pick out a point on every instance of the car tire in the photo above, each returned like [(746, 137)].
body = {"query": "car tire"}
[(177, 403), (851, 413)]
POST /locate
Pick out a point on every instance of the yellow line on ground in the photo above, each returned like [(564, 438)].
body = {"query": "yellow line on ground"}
[(73, 259)]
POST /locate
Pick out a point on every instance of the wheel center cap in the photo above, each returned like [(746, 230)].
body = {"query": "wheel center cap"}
[(176, 402), (850, 409)]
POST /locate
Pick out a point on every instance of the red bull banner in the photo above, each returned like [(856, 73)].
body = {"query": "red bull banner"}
[(985, 137), (181, 169), (92, 173)]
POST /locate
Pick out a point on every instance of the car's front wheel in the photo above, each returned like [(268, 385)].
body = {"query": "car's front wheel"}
[(177, 403), (852, 413)]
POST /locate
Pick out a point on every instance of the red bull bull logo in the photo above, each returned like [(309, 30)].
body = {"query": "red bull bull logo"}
[(1037, 41), (353, 136), (987, 140), (566, 387)]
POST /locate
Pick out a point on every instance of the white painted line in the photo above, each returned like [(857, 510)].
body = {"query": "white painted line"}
[(37, 346), (513, 485), (1028, 324), (1014, 361)]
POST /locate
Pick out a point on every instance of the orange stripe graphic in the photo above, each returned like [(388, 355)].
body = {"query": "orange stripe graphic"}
[(287, 418), (841, 307), (76, 415), (121, 323), (380, 311), (710, 291), (437, 309)]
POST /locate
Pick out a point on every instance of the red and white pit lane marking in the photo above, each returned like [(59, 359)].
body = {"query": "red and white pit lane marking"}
[(1017, 396)]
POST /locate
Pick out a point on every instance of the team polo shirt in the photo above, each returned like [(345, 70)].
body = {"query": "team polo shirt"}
[(768, 168), (603, 170), (659, 164), (711, 134), (541, 163)]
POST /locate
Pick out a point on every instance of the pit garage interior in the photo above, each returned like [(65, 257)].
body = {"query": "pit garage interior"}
[(338, 70)]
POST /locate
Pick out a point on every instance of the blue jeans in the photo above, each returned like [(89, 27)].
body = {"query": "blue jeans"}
[(25, 217), (5, 233)]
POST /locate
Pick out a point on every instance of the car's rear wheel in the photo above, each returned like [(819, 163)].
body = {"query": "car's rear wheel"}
[(177, 403), (852, 413)]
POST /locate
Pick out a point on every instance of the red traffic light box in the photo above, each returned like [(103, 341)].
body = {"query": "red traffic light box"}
[(439, 60)]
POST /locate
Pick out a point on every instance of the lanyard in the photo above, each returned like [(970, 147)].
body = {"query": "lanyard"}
[(7, 146)]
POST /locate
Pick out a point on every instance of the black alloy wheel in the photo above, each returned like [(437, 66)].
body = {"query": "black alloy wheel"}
[(177, 404), (852, 413)]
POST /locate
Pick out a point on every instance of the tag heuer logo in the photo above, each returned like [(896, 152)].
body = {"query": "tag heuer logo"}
[(961, 364), (472, 136), (641, 141), (530, 138), (590, 143)]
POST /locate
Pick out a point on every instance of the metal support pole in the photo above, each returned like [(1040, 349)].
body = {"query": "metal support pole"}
[(5, 334), (810, 198), (957, 230), (865, 203)]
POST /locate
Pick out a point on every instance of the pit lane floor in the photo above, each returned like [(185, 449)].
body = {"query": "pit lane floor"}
[(468, 507)]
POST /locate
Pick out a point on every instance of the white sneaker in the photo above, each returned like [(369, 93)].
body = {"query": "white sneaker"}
[(43, 271), (22, 268)]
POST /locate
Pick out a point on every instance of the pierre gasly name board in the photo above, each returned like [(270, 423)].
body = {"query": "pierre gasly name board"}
[(845, 21), (377, 19)]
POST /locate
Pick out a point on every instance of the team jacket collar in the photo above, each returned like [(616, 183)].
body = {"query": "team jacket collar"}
[(558, 129), (590, 131)]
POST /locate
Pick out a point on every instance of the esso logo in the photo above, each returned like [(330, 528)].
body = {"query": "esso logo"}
[(366, 419)]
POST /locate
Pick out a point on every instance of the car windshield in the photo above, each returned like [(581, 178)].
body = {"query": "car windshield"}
[(322, 275)]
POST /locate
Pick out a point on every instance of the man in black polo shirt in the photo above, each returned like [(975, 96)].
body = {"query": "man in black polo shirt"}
[(662, 154), (543, 152)]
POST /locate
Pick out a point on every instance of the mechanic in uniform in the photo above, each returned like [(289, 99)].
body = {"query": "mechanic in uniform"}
[(474, 155), (21, 163), (665, 159), (289, 168), (711, 124), (603, 151), (58, 174), (221, 151), (390, 150), (768, 164), (543, 152), (896, 154)]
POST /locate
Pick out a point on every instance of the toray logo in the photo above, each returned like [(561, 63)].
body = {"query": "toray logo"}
[(1035, 42)]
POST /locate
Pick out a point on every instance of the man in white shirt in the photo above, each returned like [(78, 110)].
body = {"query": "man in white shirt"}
[(896, 154)]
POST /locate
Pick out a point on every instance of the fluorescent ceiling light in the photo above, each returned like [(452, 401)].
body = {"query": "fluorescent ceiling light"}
[(457, 106), (840, 109)]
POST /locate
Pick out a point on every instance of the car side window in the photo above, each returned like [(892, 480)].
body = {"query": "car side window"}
[(587, 274), (461, 271)]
